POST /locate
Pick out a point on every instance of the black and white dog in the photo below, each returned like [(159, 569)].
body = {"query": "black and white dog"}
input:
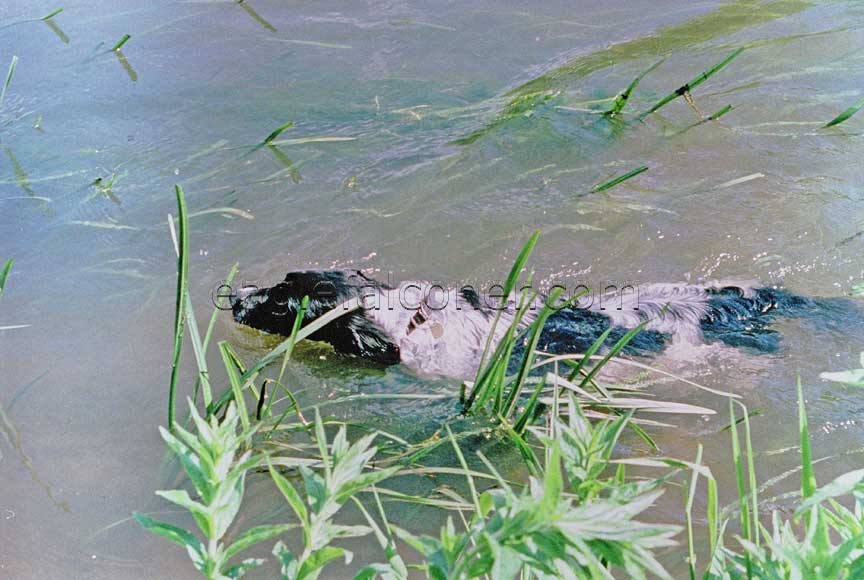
[(443, 332)]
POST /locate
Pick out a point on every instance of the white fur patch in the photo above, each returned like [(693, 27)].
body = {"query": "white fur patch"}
[(462, 330)]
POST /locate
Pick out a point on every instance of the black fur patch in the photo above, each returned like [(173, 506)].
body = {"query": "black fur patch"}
[(275, 309), (742, 321), (571, 331)]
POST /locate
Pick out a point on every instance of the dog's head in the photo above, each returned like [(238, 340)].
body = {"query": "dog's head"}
[(275, 309)]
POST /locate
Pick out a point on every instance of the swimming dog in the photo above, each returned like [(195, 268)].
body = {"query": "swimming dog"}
[(443, 332)]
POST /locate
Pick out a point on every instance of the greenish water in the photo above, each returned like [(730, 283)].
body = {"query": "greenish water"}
[(383, 89)]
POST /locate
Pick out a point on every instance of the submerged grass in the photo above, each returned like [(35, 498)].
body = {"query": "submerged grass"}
[(620, 179), (725, 20)]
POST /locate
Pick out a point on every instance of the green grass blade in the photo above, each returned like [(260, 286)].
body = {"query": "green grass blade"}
[(708, 119), (11, 72), (620, 179), (292, 340), (644, 436), (688, 512), (216, 311), (525, 417), (525, 368), (622, 98), (751, 474), (713, 509), (821, 539), (180, 304), (194, 336), (229, 358), (578, 366), (808, 475), (255, 16), (743, 506), (719, 113), (4, 274), (121, 42), (520, 262), (859, 104), (53, 14), (616, 348), (279, 130), (483, 369), (695, 82), (475, 497)]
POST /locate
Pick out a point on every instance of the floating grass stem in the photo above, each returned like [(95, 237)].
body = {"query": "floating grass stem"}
[(844, 116), (698, 80), (622, 98), (620, 179), (121, 42), (272, 136), (11, 72), (53, 14)]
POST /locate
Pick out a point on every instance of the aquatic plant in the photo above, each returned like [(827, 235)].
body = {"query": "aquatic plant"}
[(210, 459), (832, 543), (346, 472), (546, 530)]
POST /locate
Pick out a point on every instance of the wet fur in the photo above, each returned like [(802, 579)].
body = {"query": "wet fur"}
[(675, 313)]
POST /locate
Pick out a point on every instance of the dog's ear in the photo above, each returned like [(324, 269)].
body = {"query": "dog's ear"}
[(356, 335)]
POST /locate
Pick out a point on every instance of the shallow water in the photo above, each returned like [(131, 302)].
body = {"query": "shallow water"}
[(387, 87)]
